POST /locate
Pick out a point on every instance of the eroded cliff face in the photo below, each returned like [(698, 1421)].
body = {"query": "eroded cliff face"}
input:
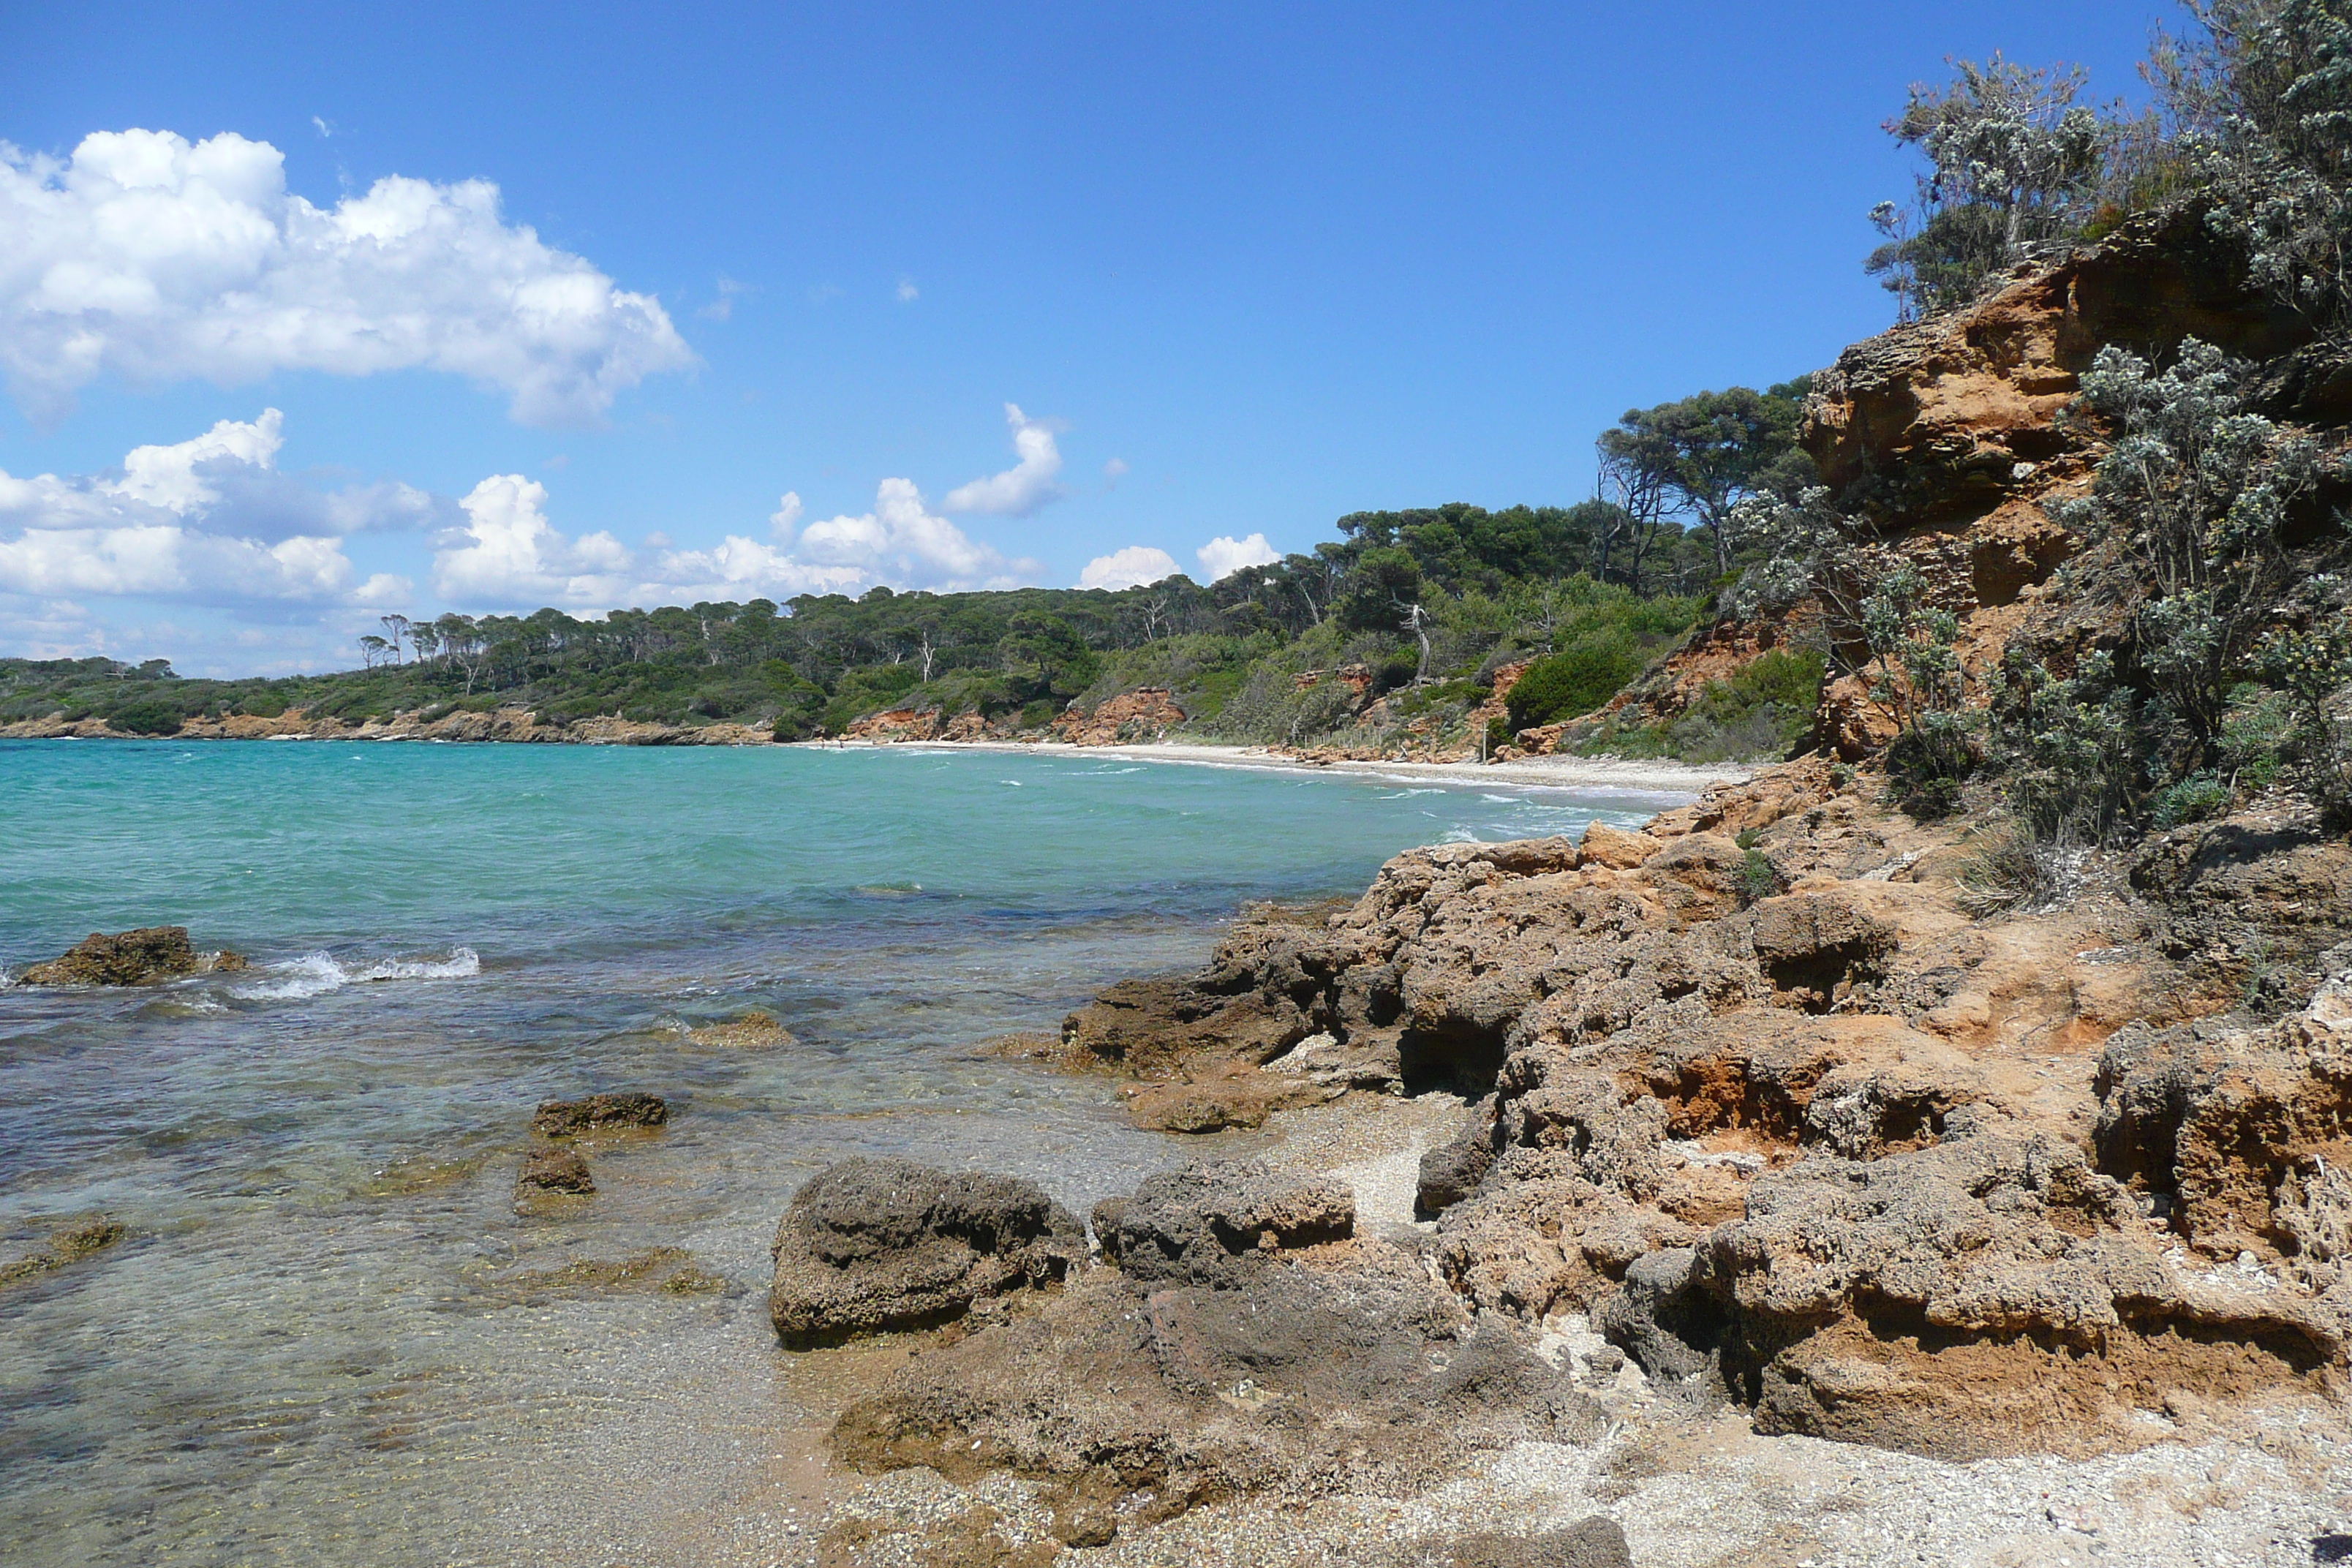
[(1951, 437)]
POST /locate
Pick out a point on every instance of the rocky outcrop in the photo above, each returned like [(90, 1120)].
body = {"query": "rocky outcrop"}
[(130, 958), (2251, 901), (1821, 1142), (2241, 1140), (893, 725), (872, 1247), (1210, 1363), (1131, 717), (599, 1113)]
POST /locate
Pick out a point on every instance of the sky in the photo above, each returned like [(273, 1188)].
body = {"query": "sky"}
[(313, 314)]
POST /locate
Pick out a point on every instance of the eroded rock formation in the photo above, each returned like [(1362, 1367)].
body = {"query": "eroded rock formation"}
[(130, 958), (874, 1246)]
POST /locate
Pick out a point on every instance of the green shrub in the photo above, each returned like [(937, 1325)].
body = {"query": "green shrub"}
[(1575, 680), (1756, 878), (148, 716), (2193, 799), (1761, 711), (1929, 762)]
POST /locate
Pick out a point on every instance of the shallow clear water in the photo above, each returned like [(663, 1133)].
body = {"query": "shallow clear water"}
[(323, 1339)]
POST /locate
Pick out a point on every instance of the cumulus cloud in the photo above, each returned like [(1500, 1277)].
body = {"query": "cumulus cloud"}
[(787, 513), (902, 542), (1021, 489), (209, 519), (1222, 556), (907, 292), (1137, 563), (506, 553), (159, 259)]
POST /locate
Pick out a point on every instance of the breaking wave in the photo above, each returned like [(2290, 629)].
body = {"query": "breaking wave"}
[(316, 974)]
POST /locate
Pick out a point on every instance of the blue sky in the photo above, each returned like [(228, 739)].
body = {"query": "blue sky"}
[(1242, 269)]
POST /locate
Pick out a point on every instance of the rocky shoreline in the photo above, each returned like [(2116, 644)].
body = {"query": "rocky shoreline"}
[(1737, 1133)]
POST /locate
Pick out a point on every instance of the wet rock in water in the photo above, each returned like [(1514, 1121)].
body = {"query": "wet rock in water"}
[(1212, 1223), (757, 1030), (871, 1247), (130, 958), (599, 1113), (68, 1246), (557, 1170)]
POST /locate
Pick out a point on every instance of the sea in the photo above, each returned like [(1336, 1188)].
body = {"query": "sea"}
[(329, 1335)]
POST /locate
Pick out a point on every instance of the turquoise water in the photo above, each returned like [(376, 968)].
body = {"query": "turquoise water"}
[(330, 1336)]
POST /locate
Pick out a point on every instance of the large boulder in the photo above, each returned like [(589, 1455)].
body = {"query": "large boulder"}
[(872, 1247), (130, 958), (2250, 903), (1307, 1380), (1213, 1224)]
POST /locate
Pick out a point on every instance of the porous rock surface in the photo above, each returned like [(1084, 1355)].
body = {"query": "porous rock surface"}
[(599, 1113), (555, 1170), (1871, 1167), (871, 1247), (130, 958)]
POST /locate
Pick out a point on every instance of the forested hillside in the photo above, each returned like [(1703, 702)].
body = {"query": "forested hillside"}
[(1412, 612)]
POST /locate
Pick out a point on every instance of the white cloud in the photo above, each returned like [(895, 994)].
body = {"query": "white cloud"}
[(907, 292), (900, 542), (787, 513), (507, 554), (209, 519), (1115, 470), (1127, 568), (1021, 489), (159, 259), (1222, 556), (741, 569), (722, 308)]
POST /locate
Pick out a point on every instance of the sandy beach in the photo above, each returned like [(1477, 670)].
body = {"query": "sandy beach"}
[(1556, 772)]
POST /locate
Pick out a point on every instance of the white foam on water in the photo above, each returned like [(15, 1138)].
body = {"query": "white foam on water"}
[(316, 974)]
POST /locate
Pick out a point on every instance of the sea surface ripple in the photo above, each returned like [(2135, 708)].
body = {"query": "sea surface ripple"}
[(329, 1336)]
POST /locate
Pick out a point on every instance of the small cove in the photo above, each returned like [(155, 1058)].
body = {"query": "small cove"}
[(329, 1336)]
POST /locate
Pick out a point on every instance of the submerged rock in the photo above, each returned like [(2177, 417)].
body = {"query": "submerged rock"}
[(599, 1113), (557, 1170), (68, 1246), (130, 958), (871, 1247)]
